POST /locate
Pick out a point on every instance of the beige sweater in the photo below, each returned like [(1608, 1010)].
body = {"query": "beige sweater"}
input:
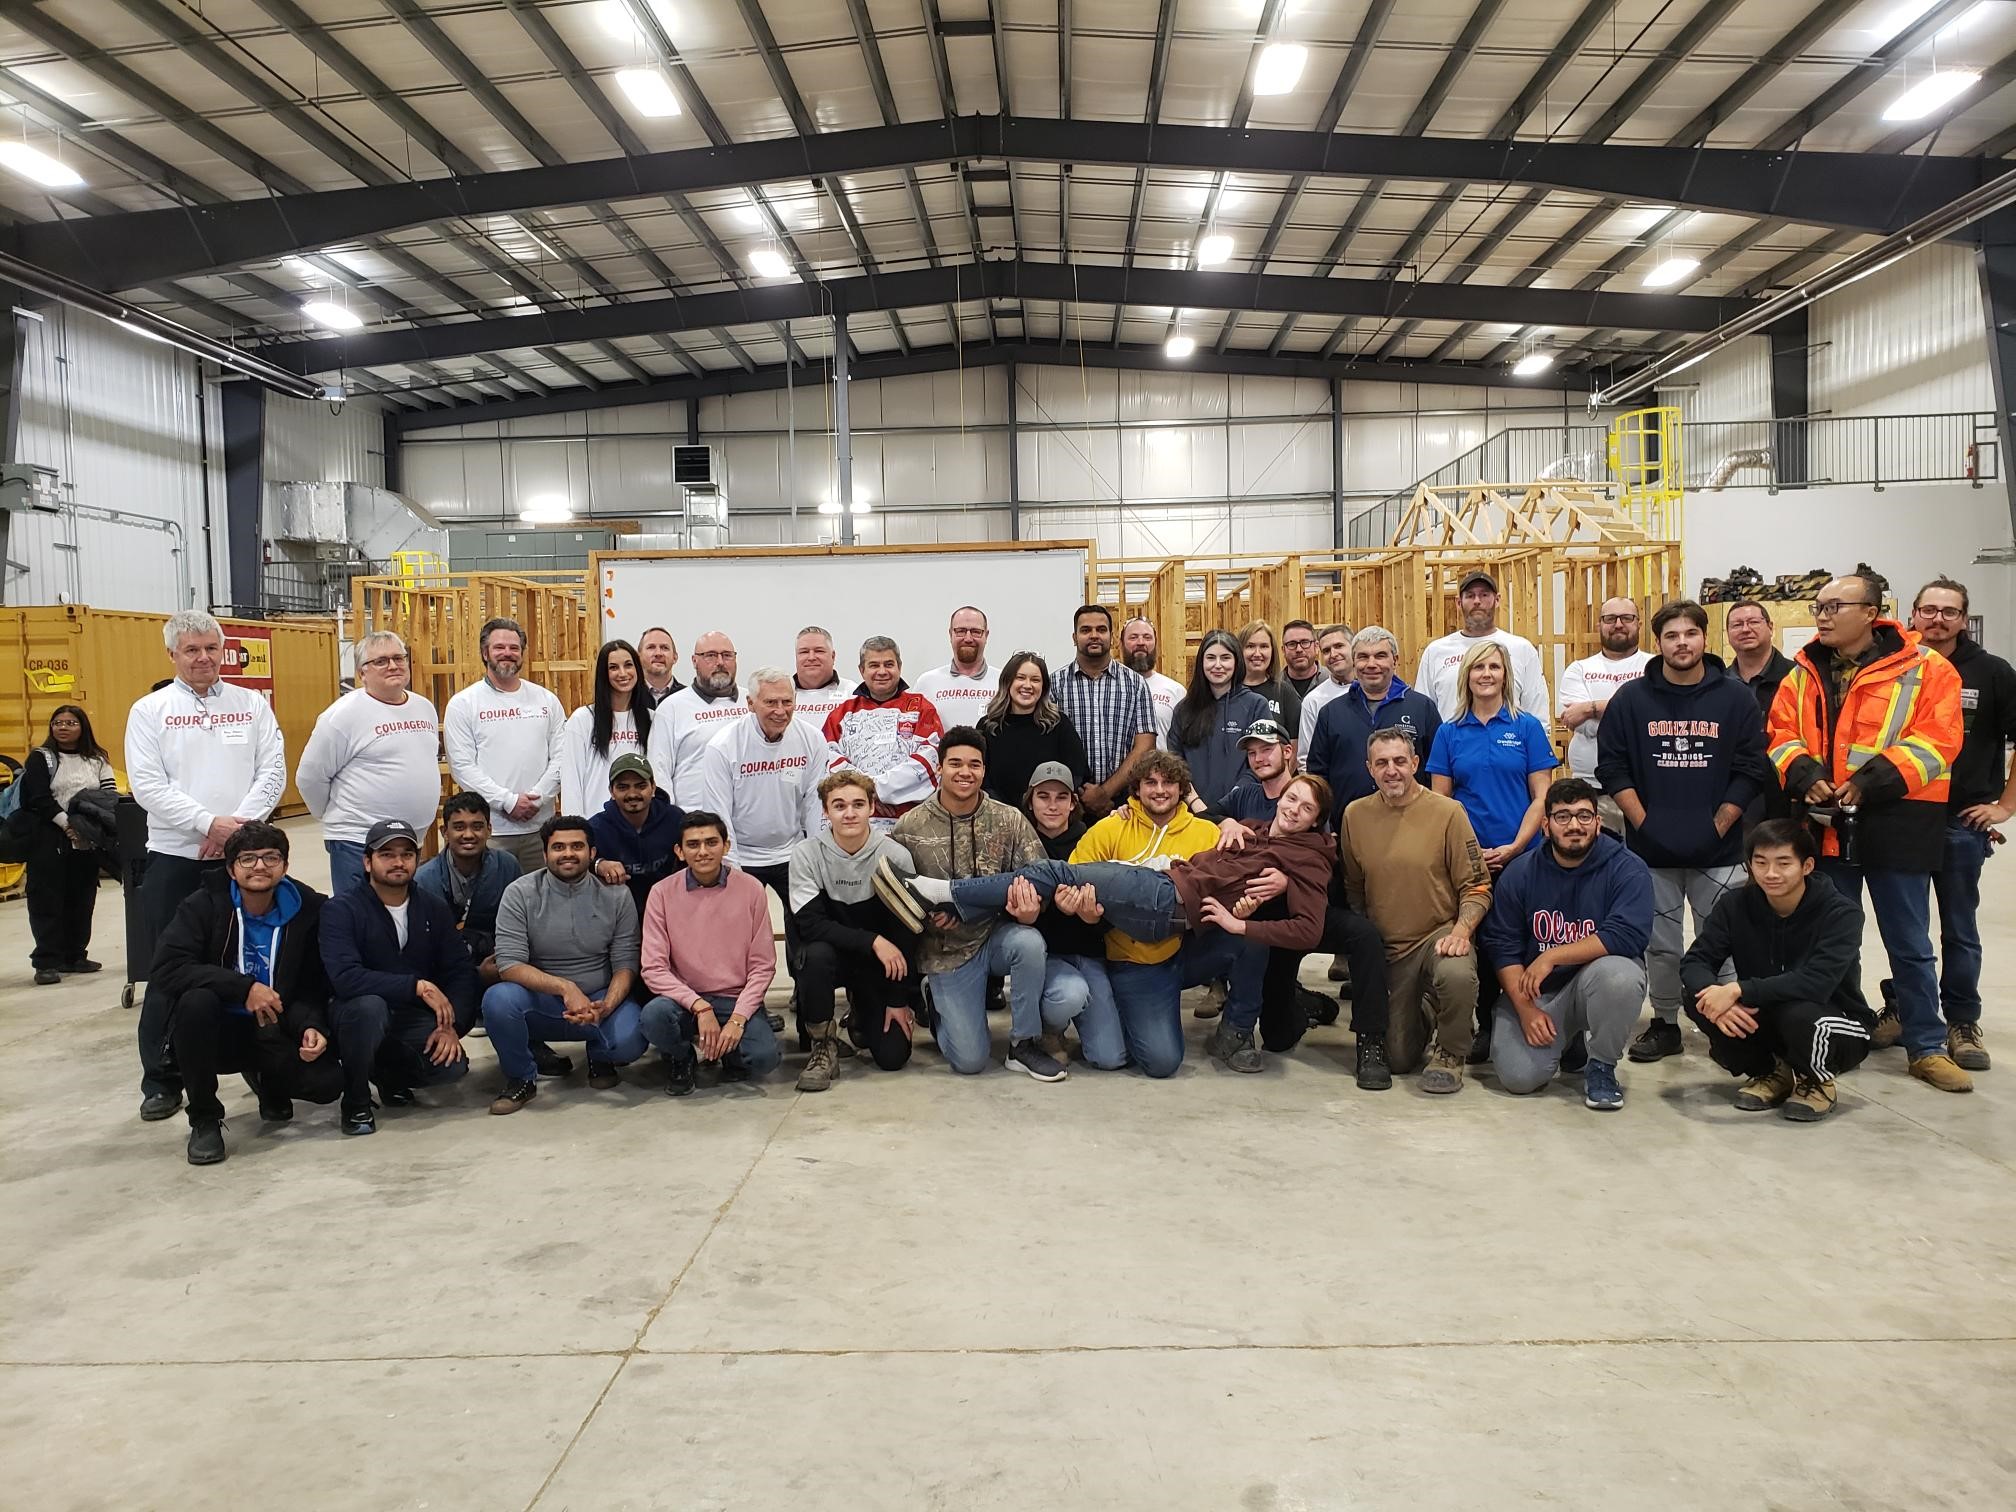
[(1410, 870)]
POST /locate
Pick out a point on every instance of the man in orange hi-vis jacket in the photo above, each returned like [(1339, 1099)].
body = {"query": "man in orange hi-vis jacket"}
[(1864, 731)]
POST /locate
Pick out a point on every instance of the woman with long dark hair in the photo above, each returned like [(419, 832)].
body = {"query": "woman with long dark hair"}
[(62, 870), (1213, 718), (1025, 728), (616, 724)]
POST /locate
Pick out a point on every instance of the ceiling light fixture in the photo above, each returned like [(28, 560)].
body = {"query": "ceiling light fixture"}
[(43, 169), (1179, 346), (336, 317), (1279, 68), (768, 262), (750, 214), (649, 90), (1532, 363), (1214, 249), (1931, 92), (1671, 271)]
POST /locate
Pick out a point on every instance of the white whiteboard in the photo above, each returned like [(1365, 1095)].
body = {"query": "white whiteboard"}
[(763, 599)]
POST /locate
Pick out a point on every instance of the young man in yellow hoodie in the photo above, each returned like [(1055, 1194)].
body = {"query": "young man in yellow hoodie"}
[(1148, 979)]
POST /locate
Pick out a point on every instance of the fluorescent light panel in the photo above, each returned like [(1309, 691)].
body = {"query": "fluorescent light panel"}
[(1213, 250), (1531, 363), (1279, 68), (38, 167), (1671, 271), (768, 262), (335, 316), (1930, 93), (649, 90)]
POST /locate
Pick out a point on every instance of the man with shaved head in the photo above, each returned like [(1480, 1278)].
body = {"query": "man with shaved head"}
[(697, 713)]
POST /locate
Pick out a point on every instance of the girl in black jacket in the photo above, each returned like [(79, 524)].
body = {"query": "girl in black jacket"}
[(62, 870)]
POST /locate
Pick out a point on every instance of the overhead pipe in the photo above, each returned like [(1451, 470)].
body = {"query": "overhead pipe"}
[(1923, 232), (1736, 461), (39, 280)]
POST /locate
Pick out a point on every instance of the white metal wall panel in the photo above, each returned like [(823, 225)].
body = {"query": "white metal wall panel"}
[(306, 443), (1733, 384), (120, 418), (1910, 340), (1290, 457)]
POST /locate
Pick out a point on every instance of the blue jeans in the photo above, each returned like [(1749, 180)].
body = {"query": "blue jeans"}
[(673, 1031), (346, 864), (1138, 902), (1957, 885), (1151, 1014), (1099, 1032), (516, 1015), (1902, 902), (959, 997)]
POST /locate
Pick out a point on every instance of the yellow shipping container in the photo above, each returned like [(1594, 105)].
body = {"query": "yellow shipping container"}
[(104, 659)]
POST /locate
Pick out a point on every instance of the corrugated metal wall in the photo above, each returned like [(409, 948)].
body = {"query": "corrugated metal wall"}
[(306, 443), (1733, 384), (1910, 340)]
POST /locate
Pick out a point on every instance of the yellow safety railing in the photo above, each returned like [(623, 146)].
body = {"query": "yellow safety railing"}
[(1645, 461)]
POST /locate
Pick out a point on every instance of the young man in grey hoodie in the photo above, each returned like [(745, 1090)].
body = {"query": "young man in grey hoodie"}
[(848, 937)]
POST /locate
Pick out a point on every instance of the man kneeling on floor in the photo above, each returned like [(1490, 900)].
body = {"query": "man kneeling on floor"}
[(403, 987), (240, 965), (567, 953), (1569, 922), (709, 957), (1794, 1018)]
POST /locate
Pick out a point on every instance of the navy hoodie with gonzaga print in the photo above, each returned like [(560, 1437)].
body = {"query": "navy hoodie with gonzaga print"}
[(1685, 749)]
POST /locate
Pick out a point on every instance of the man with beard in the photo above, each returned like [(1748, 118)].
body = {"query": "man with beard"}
[(1477, 600), (694, 716), (1567, 932), (660, 654), (1137, 649), (888, 730), (504, 735), (1108, 705), (1299, 667), (636, 832), (816, 686), (1333, 644), (1586, 688), (962, 689), (1681, 749)]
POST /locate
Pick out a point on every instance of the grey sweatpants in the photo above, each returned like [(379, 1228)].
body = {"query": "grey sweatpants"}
[(1600, 1000), (1674, 891)]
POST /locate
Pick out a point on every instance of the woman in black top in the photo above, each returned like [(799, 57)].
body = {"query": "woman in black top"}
[(1025, 728), (62, 870), (1261, 653)]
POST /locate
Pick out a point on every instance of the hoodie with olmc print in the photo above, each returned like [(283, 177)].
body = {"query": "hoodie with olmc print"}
[(1685, 749)]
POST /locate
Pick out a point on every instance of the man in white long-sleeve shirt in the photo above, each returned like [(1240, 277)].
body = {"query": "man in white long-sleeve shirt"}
[(503, 736), (202, 757), (817, 684), (962, 689), (375, 754), (1477, 600), (694, 716)]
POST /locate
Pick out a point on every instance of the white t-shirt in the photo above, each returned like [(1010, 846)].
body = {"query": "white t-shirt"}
[(814, 704), (584, 773), (191, 760), (1437, 674), (959, 700), (1594, 678), (1312, 705), (691, 722), (1164, 693), (503, 744), (768, 791), (398, 912), (369, 760)]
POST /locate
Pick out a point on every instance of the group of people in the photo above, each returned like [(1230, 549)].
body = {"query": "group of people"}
[(1077, 850)]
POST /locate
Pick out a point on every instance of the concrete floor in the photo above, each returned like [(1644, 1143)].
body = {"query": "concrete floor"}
[(1221, 1292)]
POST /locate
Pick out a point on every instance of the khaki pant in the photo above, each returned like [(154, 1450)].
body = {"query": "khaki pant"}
[(527, 849), (1430, 997)]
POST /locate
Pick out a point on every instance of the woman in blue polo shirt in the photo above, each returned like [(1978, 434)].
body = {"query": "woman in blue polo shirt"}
[(1493, 759)]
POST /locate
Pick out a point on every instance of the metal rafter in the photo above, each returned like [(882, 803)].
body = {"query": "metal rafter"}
[(941, 75), (1158, 74)]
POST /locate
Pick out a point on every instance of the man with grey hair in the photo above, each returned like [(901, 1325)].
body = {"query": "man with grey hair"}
[(203, 757), (888, 731), (817, 682), (1375, 699), (374, 754), (1333, 645), (504, 736), (692, 717), (1137, 649)]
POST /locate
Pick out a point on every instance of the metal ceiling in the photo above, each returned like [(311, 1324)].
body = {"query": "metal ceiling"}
[(1448, 183)]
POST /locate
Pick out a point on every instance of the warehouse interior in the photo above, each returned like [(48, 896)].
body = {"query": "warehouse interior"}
[(322, 312)]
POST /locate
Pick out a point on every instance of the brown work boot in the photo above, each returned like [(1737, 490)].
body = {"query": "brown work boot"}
[(1812, 1100), (824, 1060), (1965, 1045), (1444, 1072), (1762, 1093), (1889, 1031), (1212, 1003), (1941, 1071)]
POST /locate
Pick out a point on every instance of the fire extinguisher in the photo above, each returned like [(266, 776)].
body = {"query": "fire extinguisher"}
[(1973, 469)]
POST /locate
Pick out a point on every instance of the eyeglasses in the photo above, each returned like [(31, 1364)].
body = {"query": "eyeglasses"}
[(1828, 608), (399, 660), (1940, 611), (713, 655), (261, 860), (1298, 641), (1620, 619), (1574, 817)]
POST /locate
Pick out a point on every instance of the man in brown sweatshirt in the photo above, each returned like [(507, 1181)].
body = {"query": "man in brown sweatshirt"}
[(1413, 866)]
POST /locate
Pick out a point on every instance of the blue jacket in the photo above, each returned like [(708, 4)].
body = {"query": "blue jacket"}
[(499, 871), (1337, 749), (361, 951), (1537, 903), (650, 854), (1217, 762), (1685, 750)]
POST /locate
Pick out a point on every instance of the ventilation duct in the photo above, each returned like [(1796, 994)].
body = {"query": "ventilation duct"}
[(1576, 467), (1736, 461)]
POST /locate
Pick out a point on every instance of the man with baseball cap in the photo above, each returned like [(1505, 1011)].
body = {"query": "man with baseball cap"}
[(1477, 602), (1270, 765), (402, 986), (636, 832)]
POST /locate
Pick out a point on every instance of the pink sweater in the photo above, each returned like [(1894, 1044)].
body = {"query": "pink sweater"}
[(701, 940)]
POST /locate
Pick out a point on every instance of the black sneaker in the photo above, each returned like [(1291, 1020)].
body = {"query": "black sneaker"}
[(1235, 1047), (775, 1020), (735, 1070), (1576, 1056), (47, 976), (396, 1097), (364, 1121), (900, 898), (156, 1106), (1480, 1048), (679, 1077), (276, 1109), (83, 966), (1317, 1009), (602, 1076), (1659, 1040), (206, 1142), (514, 1096), (550, 1062), (1028, 1056), (1374, 1075)]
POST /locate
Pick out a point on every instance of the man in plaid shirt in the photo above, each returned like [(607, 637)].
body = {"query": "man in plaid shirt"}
[(1110, 707)]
